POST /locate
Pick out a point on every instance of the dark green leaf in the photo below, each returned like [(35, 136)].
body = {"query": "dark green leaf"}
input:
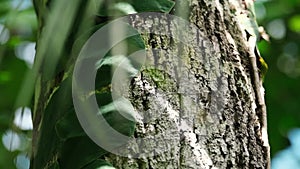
[(153, 5), (78, 152), (68, 126), (99, 164)]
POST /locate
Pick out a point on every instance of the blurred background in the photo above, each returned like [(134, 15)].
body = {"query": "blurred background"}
[(280, 18)]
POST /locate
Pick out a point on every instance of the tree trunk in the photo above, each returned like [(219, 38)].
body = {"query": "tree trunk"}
[(198, 93), (206, 99)]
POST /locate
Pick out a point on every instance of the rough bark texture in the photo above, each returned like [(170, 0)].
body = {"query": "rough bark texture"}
[(203, 105)]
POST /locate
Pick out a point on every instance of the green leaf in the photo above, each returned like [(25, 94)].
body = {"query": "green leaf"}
[(116, 9), (122, 7), (119, 61), (103, 77), (23, 19), (77, 152), (294, 23), (153, 5), (5, 7), (68, 126), (119, 114), (12, 71), (54, 165), (129, 64), (49, 142)]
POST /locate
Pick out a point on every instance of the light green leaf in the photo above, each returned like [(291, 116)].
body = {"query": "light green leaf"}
[(294, 23)]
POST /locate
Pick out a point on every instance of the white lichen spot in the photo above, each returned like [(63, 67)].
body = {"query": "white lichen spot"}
[(191, 138), (262, 91), (264, 135), (205, 157), (172, 113), (184, 126)]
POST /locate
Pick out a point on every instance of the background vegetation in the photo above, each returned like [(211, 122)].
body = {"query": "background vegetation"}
[(280, 18)]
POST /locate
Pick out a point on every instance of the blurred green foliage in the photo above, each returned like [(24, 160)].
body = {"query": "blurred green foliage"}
[(17, 27), (280, 18)]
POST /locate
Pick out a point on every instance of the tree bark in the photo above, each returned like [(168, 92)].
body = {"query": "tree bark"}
[(198, 99), (208, 112)]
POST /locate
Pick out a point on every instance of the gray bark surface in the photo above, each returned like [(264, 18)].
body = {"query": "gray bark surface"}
[(198, 100)]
